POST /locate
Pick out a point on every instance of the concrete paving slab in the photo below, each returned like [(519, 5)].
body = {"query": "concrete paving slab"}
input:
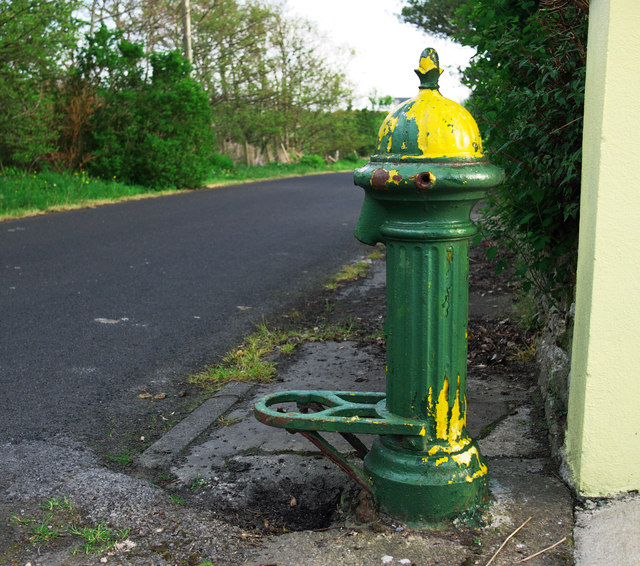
[(167, 448), (521, 490), (608, 533), (513, 437), (322, 365)]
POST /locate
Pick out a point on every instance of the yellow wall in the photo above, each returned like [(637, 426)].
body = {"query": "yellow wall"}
[(603, 424)]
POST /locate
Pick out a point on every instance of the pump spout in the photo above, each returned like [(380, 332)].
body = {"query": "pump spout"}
[(372, 216)]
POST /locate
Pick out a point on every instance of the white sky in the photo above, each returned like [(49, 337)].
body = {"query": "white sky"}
[(386, 50)]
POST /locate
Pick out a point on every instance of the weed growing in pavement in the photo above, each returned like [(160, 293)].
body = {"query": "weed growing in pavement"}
[(58, 520), (357, 270), (124, 458), (287, 349), (249, 361), (197, 484), (525, 354), (228, 422), (377, 253), (350, 272), (96, 539), (177, 499), (54, 503)]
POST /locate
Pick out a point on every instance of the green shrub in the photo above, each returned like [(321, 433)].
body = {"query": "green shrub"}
[(312, 160), (36, 38), (352, 157), (221, 162), (528, 83), (149, 131)]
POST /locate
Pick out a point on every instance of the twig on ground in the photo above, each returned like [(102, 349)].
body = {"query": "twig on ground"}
[(541, 551), (327, 529), (507, 540)]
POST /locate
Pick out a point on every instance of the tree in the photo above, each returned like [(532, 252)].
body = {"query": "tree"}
[(268, 84), (437, 17), (36, 39), (151, 130)]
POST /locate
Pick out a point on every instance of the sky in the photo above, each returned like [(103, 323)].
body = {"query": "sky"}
[(386, 50)]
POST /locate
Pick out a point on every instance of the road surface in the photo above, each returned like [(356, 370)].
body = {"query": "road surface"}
[(98, 305)]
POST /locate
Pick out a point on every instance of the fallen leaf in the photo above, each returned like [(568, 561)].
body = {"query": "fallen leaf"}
[(160, 396), (293, 502), (144, 396)]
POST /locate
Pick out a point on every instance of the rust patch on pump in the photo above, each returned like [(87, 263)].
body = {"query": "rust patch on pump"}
[(425, 180), (379, 178)]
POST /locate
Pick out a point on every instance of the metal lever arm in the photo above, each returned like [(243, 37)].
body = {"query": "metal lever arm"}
[(339, 411)]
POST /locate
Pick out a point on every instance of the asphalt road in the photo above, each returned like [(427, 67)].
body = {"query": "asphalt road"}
[(99, 304)]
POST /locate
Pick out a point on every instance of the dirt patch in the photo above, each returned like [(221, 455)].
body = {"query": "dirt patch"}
[(278, 504)]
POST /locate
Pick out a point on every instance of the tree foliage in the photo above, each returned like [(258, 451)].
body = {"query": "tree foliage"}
[(36, 36), (152, 130), (100, 85), (268, 78), (528, 81), (437, 17)]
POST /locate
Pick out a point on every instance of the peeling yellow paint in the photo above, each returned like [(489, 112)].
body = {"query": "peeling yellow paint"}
[(482, 471), (449, 448), (387, 128), (444, 128), (442, 411), (426, 64), (464, 459), (448, 426), (394, 177), (458, 420), (442, 460), (422, 432)]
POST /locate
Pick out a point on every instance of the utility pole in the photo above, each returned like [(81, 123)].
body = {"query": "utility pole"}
[(186, 28)]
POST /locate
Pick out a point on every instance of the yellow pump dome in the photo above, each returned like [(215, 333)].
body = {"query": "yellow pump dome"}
[(428, 126)]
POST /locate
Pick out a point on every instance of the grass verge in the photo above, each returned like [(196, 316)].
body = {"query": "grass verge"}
[(250, 361), (28, 194), (278, 170)]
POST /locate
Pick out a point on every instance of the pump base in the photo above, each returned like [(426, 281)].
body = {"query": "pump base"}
[(426, 488)]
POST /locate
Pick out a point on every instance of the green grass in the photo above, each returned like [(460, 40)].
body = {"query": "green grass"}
[(249, 361), (27, 194), (355, 271), (124, 458), (58, 520), (278, 170), (350, 272)]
